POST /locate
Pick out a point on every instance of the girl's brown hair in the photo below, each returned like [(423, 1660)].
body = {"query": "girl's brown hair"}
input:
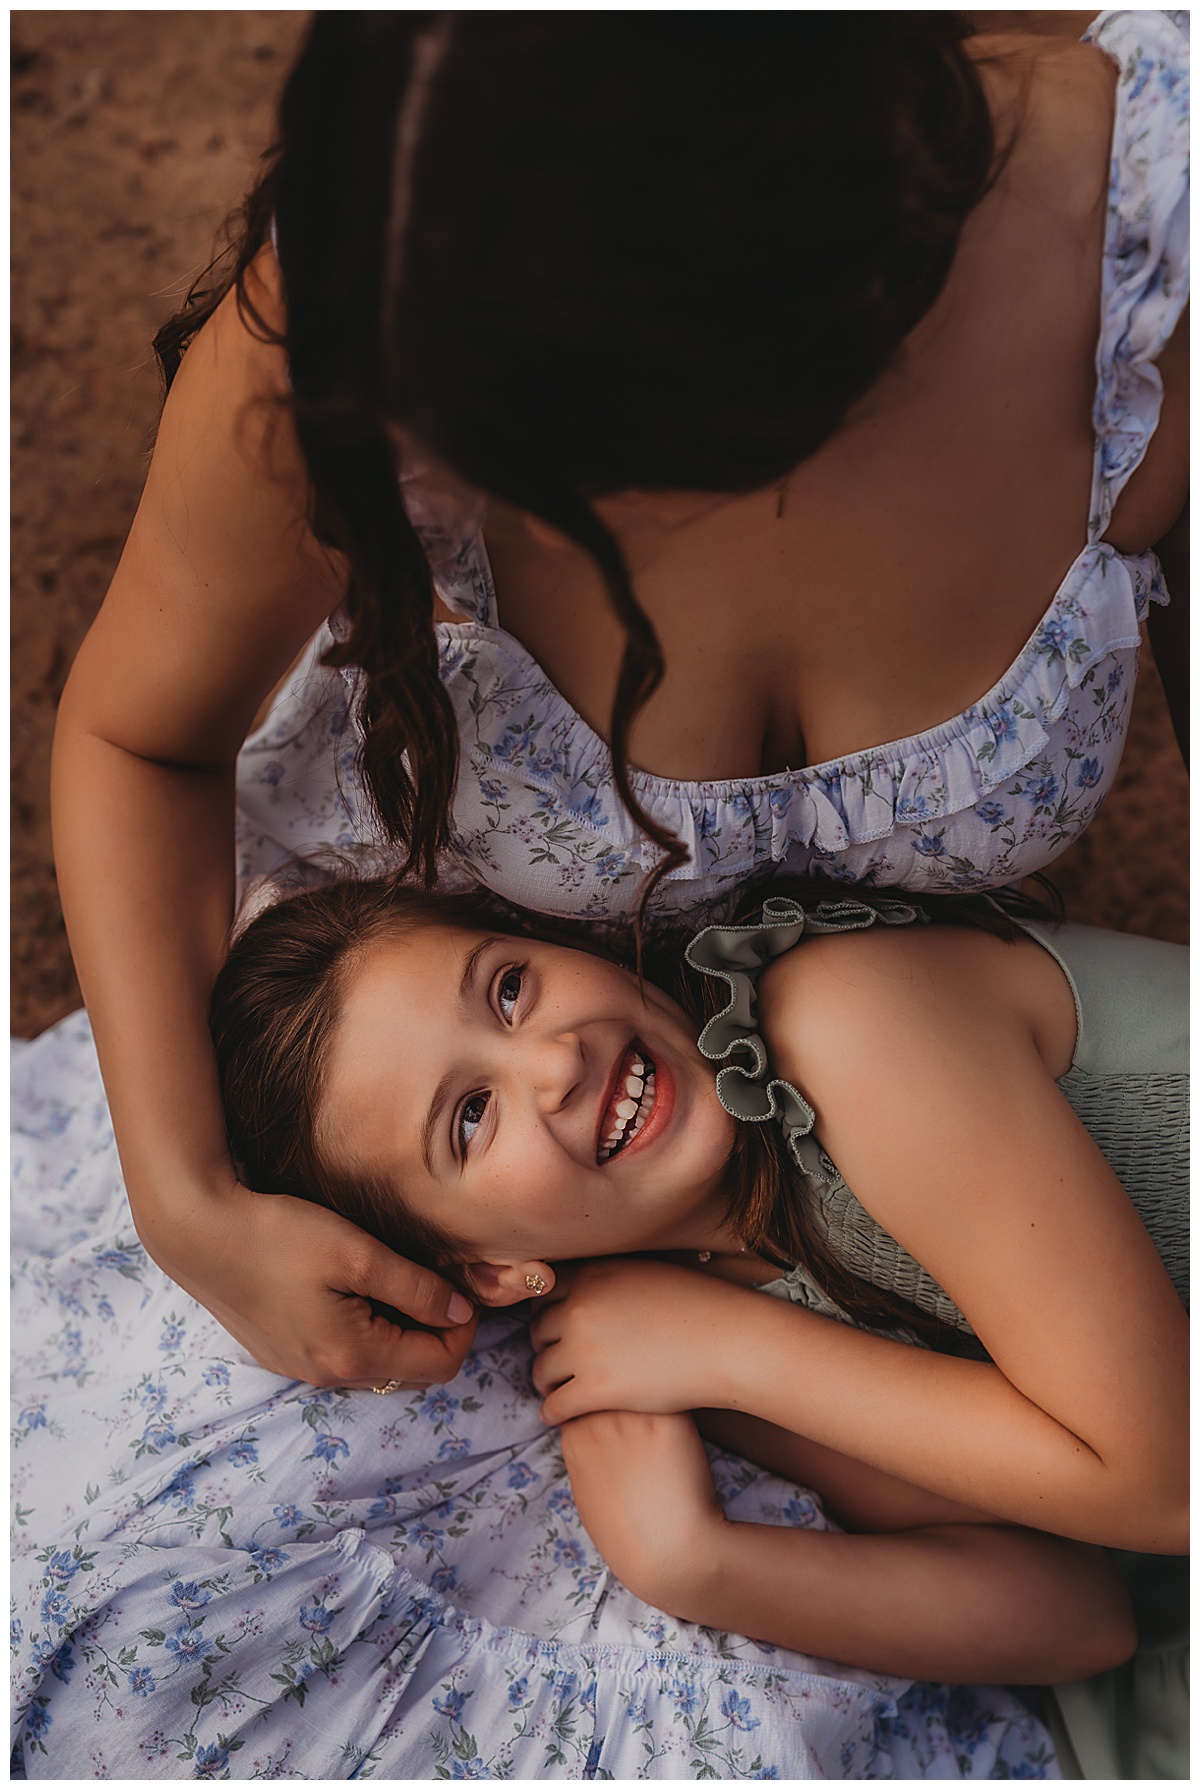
[(573, 253), (276, 1002)]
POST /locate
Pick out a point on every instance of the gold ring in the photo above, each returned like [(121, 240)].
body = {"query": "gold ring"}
[(391, 1386)]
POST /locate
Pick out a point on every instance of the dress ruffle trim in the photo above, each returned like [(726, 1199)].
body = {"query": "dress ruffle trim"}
[(516, 722), (1146, 258)]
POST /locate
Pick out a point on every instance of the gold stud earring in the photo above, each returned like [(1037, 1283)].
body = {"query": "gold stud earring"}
[(535, 1283)]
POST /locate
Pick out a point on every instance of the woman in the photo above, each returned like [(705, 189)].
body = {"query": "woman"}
[(622, 344)]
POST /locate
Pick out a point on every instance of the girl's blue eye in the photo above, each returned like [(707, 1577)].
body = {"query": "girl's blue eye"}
[(509, 991), (470, 1119)]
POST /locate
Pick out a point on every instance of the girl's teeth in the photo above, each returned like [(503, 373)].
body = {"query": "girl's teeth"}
[(625, 1109), (633, 1086)]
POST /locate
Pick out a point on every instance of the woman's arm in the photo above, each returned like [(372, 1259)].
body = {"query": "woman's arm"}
[(920, 1053), (969, 1603), (220, 584)]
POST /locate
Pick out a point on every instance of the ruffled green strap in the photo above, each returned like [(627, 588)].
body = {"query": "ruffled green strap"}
[(737, 955)]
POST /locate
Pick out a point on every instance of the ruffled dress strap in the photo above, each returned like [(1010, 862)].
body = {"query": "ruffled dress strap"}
[(737, 955), (1146, 258), (748, 1090)]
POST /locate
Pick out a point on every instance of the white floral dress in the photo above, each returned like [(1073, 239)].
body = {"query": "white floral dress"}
[(221, 1574), (988, 797)]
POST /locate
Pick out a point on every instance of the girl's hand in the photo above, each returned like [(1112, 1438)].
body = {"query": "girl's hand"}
[(645, 1495), (633, 1335), (293, 1283)]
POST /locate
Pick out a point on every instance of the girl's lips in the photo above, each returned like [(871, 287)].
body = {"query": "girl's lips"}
[(660, 1116)]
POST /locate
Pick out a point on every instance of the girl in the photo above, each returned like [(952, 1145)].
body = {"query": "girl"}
[(492, 1102), (824, 385)]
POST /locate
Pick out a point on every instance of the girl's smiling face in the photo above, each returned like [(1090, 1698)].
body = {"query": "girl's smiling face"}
[(494, 1082)]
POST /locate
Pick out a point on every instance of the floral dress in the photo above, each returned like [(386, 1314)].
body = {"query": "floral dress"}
[(221, 1574), (984, 799)]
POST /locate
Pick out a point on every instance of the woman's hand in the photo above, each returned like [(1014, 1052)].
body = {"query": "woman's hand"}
[(293, 1283), (645, 1494), (634, 1335)]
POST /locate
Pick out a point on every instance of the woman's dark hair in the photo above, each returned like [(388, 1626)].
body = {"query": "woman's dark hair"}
[(275, 1006), (577, 253)]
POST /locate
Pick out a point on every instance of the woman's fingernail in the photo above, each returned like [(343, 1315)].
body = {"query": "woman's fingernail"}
[(458, 1311)]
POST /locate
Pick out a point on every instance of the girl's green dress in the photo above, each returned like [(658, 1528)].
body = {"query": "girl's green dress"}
[(1128, 1082)]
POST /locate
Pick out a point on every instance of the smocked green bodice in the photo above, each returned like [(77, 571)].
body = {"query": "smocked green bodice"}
[(1128, 1082)]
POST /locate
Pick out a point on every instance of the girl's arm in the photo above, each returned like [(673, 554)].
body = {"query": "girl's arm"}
[(964, 1602), (219, 586), (922, 1056)]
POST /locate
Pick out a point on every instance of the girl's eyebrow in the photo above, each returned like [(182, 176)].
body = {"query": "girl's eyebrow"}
[(466, 988), (466, 985)]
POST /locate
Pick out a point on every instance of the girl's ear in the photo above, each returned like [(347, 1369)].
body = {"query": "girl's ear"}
[(507, 1283)]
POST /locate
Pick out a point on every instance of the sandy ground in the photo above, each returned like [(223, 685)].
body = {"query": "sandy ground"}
[(133, 135)]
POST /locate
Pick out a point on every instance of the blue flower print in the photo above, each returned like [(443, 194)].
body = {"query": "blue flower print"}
[(1090, 773), (172, 1336), (153, 1395), (438, 1405), (521, 1474), (245, 1454), (1043, 791), (444, 1579), (1116, 678), (61, 1568), (115, 1258), (288, 1516), (216, 1374), (267, 1560), (63, 1663), (451, 1705), (158, 1434), (610, 863), (33, 1417), (686, 1695), (316, 1620), (1053, 636), (188, 1595), (71, 1342), (741, 808), (273, 774), (426, 1536), (382, 1507), (930, 845), (453, 1448), (16, 1634), (57, 1608), (518, 1691), (469, 1768), (586, 805), (910, 809), (182, 1490), (331, 1448), (104, 1309), (781, 801), (37, 1720), (1003, 724), (141, 1681), (560, 1501), (188, 1644), (568, 1552), (769, 1772), (736, 1711), (492, 790), (211, 1761), (991, 813)]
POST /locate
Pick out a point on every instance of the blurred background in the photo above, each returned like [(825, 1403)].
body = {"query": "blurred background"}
[(133, 136)]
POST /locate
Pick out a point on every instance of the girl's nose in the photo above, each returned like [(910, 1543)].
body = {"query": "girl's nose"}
[(555, 1067)]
